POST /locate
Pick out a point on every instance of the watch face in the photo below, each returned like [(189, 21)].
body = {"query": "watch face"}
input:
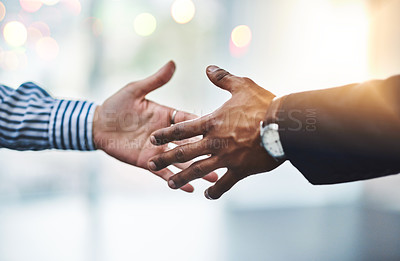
[(271, 142)]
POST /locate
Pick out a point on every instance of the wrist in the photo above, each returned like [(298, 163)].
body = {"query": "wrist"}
[(269, 131), (272, 115)]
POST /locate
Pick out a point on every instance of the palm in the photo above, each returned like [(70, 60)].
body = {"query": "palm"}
[(157, 117)]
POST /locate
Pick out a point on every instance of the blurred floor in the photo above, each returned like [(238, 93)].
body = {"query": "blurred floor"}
[(117, 228), (130, 228), (323, 233)]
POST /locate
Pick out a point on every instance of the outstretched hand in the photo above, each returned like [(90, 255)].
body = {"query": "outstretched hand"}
[(123, 123), (231, 135)]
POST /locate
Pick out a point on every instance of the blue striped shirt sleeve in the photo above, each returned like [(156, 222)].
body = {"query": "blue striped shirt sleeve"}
[(30, 119)]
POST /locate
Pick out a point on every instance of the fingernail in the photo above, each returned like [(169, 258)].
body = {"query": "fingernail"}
[(207, 196), (212, 68), (153, 140), (171, 184), (173, 67), (152, 165)]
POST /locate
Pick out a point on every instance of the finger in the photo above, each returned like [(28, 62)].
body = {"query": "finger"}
[(184, 165), (179, 154), (212, 177), (180, 116), (180, 131), (190, 140), (222, 78), (156, 80), (225, 183), (187, 188), (184, 116), (197, 170), (165, 174)]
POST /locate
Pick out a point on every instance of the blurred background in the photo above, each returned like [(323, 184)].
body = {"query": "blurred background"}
[(87, 206)]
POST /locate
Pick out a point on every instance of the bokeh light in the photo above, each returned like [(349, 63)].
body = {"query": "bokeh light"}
[(74, 6), (2, 11), (241, 36), (183, 11), (15, 33), (95, 25), (47, 49), (31, 6), (34, 35), (50, 2), (42, 27), (237, 51), (145, 24)]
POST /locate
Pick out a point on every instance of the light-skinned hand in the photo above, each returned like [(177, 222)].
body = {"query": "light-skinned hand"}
[(123, 124)]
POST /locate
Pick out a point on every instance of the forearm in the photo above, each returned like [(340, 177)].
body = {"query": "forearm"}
[(343, 134), (30, 119)]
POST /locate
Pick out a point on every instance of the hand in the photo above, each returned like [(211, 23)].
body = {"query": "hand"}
[(231, 135), (123, 123)]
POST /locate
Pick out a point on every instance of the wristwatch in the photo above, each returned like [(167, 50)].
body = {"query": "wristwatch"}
[(269, 131), (271, 141)]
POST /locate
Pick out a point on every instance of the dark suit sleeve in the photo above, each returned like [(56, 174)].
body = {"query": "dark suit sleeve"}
[(343, 134)]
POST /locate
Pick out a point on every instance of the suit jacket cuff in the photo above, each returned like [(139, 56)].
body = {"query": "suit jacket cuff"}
[(274, 109)]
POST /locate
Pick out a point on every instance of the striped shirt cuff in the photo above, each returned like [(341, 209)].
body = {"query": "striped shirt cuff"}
[(71, 125)]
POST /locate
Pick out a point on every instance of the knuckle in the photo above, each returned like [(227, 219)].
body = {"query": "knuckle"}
[(198, 170), (179, 180), (131, 85), (177, 131), (158, 80), (211, 123), (161, 161), (206, 127), (209, 145), (221, 74), (180, 154), (247, 81), (133, 88), (160, 137), (217, 160)]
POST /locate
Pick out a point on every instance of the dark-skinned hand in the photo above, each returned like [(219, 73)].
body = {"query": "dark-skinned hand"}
[(231, 137)]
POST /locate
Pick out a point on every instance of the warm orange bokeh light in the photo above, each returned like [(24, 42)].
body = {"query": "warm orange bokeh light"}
[(241, 36), (42, 27), (2, 11), (31, 6)]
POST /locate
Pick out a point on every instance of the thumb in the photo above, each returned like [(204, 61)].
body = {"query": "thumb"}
[(222, 78), (156, 80)]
